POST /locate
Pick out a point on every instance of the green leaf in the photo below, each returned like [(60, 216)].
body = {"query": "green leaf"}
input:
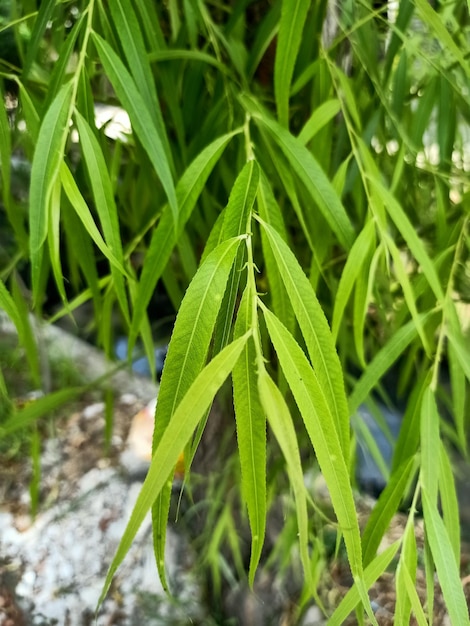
[(43, 18), (313, 177), (140, 117), (104, 203), (251, 432), (354, 262), (322, 430), (164, 237), (83, 212), (187, 354), (449, 500), (48, 156), (176, 435), (320, 117), (382, 361), (409, 234), (291, 25), (430, 438), (386, 507), (132, 42), (316, 333), (446, 564), (283, 428)]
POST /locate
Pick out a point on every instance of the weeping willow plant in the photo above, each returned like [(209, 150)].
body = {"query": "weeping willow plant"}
[(295, 178)]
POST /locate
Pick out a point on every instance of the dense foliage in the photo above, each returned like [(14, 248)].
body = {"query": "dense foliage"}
[(295, 180)]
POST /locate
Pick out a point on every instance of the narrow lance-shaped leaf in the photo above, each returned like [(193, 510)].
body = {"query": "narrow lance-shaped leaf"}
[(164, 237), (236, 214), (140, 117), (251, 431), (270, 212), (83, 212), (446, 565), (449, 500), (193, 406), (293, 14), (313, 177), (386, 507), (283, 428), (44, 171), (132, 42), (316, 332), (371, 573), (356, 257), (187, 354), (322, 430), (382, 362), (104, 202), (429, 445)]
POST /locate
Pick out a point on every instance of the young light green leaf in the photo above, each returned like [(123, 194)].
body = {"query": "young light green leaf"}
[(293, 14), (141, 119), (176, 435), (187, 354), (251, 431), (105, 204), (164, 237), (44, 171), (313, 177), (316, 333), (322, 430), (406, 571), (319, 118), (446, 564), (282, 425)]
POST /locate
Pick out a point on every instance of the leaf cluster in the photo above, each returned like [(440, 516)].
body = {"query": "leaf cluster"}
[(295, 179)]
